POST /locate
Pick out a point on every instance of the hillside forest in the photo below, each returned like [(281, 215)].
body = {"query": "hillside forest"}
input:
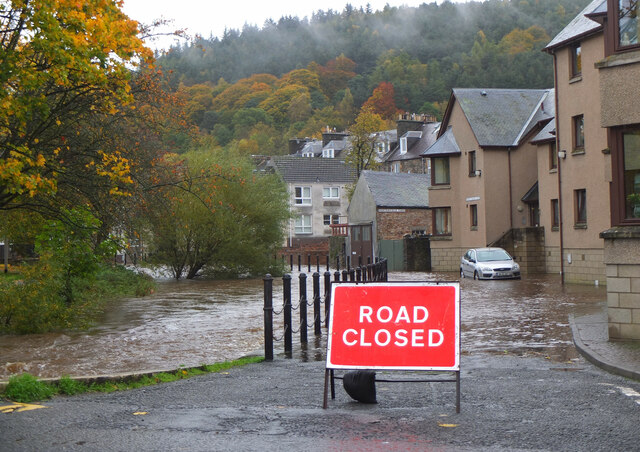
[(254, 88)]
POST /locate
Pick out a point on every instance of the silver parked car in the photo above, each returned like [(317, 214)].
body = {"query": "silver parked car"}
[(488, 263)]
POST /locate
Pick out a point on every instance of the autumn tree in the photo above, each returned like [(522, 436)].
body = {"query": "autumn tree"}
[(362, 152), (382, 101), (221, 219), (61, 63)]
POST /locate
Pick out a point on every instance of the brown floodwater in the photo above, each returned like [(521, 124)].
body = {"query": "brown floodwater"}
[(189, 323)]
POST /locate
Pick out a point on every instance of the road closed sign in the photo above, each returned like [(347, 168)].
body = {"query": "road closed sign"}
[(410, 326)]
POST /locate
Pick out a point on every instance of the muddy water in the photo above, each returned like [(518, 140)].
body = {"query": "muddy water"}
[(194, 322)]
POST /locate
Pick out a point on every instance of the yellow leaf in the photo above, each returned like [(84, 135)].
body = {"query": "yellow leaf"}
[(140, 413)]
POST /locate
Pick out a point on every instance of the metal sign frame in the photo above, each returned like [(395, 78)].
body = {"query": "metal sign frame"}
[(447, 318)]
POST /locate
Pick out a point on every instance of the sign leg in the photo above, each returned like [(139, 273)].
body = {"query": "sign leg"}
[(326, 389), (458, 392)]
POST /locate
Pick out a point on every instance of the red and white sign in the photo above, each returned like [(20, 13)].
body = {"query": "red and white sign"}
[(409, 326)]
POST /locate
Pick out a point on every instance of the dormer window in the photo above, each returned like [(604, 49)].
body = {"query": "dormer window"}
[(328, 153), (308, 154), (403, 145)]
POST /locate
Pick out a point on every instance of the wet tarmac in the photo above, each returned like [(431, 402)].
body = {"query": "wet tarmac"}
[(189, 323)]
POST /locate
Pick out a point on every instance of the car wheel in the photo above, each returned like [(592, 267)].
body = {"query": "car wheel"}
[(461, 273), (475, 275)]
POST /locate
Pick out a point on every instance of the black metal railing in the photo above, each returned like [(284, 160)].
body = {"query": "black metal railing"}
[(372, 272)]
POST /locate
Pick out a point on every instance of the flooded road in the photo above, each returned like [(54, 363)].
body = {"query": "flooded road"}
[(189, 323)]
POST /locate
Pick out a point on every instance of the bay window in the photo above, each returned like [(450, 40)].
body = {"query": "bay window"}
[(441, 175)]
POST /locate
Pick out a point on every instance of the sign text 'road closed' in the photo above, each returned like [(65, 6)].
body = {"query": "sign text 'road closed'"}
[(413, 326)]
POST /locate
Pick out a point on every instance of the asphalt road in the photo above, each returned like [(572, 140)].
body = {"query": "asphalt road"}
[(508, 403)]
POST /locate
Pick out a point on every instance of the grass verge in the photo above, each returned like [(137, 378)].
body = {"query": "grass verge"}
[(26, 388)]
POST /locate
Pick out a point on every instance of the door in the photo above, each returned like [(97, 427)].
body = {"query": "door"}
[(361, 245)]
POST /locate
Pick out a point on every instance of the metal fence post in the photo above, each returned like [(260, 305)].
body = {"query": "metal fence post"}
[(316, 304), (327, 297), (268, 317), (303, 308), (286, 288)]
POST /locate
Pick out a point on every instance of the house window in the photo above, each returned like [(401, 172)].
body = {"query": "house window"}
[(578, 133), (331, 219), (441, 171), (303, 224), (331, 192), (395, 168), (308, 154), (303, 196), (580, 207), (472, 164), (403, 145), (473, 216), (328, 153), (627, 23), (576, 60), (442, 220), (553, 157), (631, 172), (555, 215)]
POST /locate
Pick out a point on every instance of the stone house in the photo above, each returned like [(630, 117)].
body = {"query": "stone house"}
[(318, 198), (597, 133), (385, 209), (484, 175), (415, 134)]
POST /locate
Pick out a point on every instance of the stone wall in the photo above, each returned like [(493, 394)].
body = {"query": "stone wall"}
[(584, 266), (526, 245), (446, 259), (622, 260), (552, 259)]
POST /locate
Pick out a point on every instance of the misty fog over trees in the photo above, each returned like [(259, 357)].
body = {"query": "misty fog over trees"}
[(257, 87)]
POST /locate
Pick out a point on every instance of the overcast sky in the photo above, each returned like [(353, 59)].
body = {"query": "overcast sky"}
[(206, 17)]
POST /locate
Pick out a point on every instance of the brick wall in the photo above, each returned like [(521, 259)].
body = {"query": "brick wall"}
[(395, 225)]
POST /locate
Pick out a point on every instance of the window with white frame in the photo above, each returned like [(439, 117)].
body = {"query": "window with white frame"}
[(403, 145), (303, 196), (328, 153), (303, 224), (331, 219), (331, 192)]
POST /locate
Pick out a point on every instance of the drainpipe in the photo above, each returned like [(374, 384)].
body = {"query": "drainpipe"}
[(510, 192), (560, 216)]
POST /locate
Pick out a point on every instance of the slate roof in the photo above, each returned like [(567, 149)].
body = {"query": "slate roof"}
[(446, 145), (314, 146), (502, 117), (309, 170), (580, 26), (548, 133), (418, 142), (337, 145), (398, 189)]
